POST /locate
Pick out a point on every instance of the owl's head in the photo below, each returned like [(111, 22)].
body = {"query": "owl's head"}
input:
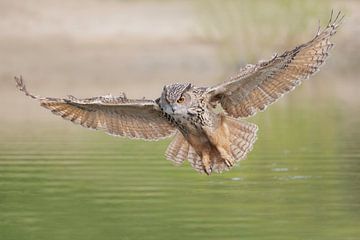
[(176, 98)]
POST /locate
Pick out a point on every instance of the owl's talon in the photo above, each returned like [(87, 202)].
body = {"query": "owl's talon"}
[(208, 170)]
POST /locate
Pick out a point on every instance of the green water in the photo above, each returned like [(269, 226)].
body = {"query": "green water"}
[(301, 181)]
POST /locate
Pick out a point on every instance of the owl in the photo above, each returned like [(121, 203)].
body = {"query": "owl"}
[(205, 121)]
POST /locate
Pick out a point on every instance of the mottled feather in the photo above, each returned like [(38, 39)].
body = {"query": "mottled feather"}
[(178, 149), (117, 116), (257, 86)]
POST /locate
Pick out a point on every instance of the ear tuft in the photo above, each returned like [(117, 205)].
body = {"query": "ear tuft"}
[(188, 87)]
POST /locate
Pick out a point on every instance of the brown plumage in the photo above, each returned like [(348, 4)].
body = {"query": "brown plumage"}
[(257, 86), (210, 141), (115, 115)]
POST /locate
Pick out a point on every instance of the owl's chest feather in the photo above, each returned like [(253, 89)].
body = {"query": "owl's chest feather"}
[(194, 122)]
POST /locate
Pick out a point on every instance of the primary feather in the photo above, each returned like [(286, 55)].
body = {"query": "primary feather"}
[(257, 86)]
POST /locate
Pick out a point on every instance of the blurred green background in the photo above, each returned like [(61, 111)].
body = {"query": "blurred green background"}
[(61, 181)]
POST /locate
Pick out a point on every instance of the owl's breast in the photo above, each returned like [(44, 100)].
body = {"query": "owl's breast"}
[(187, 124), (194, 123)]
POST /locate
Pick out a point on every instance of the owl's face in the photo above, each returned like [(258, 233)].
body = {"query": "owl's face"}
[(176, 99)]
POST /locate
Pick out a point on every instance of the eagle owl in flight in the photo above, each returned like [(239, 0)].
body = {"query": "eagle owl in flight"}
[(210, 140)]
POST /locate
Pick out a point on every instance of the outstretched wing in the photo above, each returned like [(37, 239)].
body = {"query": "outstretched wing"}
[(257, 86), (116, 115)]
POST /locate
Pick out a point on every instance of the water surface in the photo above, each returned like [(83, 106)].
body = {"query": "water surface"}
[(301, 181)]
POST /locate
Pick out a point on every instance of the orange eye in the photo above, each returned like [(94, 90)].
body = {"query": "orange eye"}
[(180, 100)]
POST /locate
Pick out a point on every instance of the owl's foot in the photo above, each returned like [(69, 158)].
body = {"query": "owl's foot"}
[(226, 156), (206, 162), (208, 170)]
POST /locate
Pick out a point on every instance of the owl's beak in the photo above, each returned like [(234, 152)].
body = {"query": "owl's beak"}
[(175, 109)]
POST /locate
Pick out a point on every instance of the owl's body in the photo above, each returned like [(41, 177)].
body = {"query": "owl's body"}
[(213, 137), (212, 140)]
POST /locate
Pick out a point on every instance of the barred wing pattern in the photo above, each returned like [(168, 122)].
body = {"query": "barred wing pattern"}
[(118, 116), (257, 86)]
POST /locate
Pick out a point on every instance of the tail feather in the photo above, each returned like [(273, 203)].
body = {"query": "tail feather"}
[(195, 160), (242, 137), (178, 149), (183, 152)]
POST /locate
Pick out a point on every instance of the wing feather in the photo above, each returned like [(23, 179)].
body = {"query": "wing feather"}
[(257, 86), (115, 115)]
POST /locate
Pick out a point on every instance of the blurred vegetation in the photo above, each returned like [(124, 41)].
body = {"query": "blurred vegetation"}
[(248, 30)]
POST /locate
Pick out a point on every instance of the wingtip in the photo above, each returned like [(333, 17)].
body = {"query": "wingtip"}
[(337, 21), (21, 86), (20, 83)]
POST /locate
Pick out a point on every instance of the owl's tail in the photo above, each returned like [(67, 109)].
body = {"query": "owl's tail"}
[(242, 137), (179, 150)]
